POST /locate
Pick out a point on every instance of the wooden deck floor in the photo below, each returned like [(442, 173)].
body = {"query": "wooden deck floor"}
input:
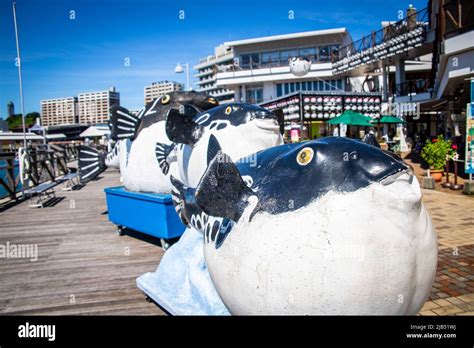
[(83, 266)]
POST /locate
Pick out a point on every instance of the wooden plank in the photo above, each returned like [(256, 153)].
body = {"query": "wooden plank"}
[(79, 254)]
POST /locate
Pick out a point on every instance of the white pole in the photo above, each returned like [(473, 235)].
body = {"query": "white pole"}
[(19, 75), (187, 76)]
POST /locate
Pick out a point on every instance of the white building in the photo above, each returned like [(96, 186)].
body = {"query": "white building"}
[(207, 70), (94, 106), (59, 111), (157, 89), (260, 68)]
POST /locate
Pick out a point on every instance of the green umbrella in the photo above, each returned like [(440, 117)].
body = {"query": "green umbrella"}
[(389, 119), (351, 118)]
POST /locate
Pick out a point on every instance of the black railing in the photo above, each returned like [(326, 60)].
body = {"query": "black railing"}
[(459, 17), (412, 87)]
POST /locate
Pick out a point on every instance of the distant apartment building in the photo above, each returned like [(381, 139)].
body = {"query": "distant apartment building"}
[(157, 89), (59, 111), (94, 106), (207, 70)]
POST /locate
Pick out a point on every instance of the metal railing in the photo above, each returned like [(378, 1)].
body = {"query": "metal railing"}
[(412, 87), (392, 39), (458, 17)]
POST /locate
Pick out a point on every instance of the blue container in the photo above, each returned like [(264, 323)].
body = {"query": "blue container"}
[(150, 213)]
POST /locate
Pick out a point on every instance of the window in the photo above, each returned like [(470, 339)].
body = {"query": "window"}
[(303, 86), (287, 88), (279, 90), (254, 94), (245, 60), (321, 85), (285, 55), (255, 59), (309, 53), (339, 84), (324, 54), (271, 58)]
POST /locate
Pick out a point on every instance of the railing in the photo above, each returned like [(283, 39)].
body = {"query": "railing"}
[(413, 87), (10, 181), (47, 163), (458, 17), (394, 38)]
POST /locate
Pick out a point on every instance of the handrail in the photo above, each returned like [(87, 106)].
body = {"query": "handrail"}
[(411, 22)]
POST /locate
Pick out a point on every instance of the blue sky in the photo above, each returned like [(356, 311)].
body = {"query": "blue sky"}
[(62, 56)]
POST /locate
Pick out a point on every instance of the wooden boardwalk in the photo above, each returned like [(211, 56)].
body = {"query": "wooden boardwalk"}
[(83, 266)]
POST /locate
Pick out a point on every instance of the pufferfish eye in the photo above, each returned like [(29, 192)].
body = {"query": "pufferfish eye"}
[(228, 110), (212, 100), (166, 99), (305, 156)]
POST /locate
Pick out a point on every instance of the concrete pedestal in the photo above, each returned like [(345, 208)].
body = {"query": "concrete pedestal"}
[(428, 183), (468, 188)]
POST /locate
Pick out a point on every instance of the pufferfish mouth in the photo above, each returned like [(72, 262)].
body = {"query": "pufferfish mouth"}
[(401, 176), (267, 124)]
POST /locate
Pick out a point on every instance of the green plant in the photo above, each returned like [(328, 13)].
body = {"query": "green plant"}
[(434, 152)]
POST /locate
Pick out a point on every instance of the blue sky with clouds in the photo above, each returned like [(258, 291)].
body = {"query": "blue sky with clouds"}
[(62, 56)]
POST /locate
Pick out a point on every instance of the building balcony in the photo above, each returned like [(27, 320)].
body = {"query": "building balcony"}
[(205, 81), (264, 73), (394, 39), (227, 92), (204, 73)]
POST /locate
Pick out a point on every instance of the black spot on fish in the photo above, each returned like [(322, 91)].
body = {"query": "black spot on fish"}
[(221, 126), (215, 228), (208, 228)]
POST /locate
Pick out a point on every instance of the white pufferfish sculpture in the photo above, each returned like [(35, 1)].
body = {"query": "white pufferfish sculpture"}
[(326, 227)]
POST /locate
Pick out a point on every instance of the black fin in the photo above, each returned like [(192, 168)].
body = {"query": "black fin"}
[(182, 129), (91, 163), (162, 151), (222, 191), (178, 192), (213, 148), (123, 123)]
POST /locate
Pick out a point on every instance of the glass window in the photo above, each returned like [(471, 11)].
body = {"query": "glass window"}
[(324, 54), (321, 85), (287, 88), (303, 86), (309, 53), (334, 52), (279, 90), (287, 54), (245, 60), (297, 86), (254, 94), (339, 84), (271, 58), (292, 87), (255, 59)]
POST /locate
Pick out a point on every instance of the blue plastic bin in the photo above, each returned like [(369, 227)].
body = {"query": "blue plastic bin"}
[(149, 213)]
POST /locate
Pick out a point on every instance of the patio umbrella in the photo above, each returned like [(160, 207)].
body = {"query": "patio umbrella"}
[(389, 119), (351, 118)]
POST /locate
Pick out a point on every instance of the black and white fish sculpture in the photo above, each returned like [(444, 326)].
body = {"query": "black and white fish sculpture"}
[(138, 134), (299, 66), (239, 129), (330, 227)]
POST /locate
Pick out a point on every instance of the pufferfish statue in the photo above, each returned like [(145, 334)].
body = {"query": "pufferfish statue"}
[(326, 227)]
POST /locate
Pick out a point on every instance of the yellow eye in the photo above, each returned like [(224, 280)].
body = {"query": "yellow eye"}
[(166, 99), (228, 110), (305, 156)]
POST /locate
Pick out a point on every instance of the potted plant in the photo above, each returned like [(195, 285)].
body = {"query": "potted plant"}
[(435, 153)]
